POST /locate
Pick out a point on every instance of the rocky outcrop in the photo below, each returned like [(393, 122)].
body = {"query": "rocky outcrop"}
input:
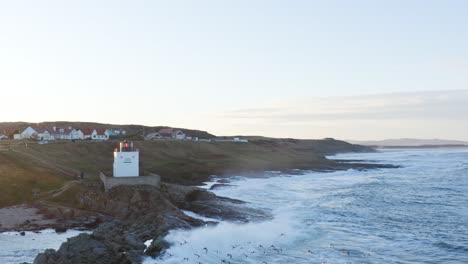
[(208, 204), (142, 213)]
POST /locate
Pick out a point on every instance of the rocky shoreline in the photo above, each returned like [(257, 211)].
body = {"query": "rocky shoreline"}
[(124, 218), (142, 213)]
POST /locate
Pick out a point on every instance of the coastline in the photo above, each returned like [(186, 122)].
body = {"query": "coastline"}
[(143, 213), (124, 218)]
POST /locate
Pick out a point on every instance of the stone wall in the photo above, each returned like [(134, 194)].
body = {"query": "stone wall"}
[(110, 182)]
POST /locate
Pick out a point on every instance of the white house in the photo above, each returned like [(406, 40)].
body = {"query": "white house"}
[(102, 134), (28, 133), (61, 133), (171, 133), (96, 134), (88, 133), (38, 133), (116, 132), (153, 136), (76, 134), (68, 133), (43, 134), (3, 137)]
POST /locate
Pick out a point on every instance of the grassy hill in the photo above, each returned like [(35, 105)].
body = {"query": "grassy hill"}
[(25, 166), (20, 177), (133, 131)]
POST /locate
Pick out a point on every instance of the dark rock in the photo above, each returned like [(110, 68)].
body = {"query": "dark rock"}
[(60, 229), (219, 185), (22, 233), (157, 247), (77, 250), (142, 213), (225, 180)]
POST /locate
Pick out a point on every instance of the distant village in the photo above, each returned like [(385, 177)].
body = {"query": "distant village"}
[(45, 134)]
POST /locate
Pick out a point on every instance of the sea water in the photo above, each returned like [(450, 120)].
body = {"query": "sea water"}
[(15, 248), (417, 213)]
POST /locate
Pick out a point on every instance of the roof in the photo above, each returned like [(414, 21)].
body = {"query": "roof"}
[(166, 131), (152, 135), (66, 131), (40, 130), (88, 131), (101, 131)]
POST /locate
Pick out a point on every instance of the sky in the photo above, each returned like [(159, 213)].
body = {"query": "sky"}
[(306, 69)]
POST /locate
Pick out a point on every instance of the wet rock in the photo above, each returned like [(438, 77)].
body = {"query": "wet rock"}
[(157, 247), (208, 204), (223, 181), (219, 185), (80, 249), (60, 229), (142, 213), (22, 233)]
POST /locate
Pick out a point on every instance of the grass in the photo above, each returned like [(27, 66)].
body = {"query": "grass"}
[(19, 178), (49, 166)]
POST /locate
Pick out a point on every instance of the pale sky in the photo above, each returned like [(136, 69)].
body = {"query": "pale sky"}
[(306, 69)]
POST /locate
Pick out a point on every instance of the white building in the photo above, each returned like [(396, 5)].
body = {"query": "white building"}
[(153, 136), (76, 134), (170, 133), (101, 134), (96, 134), (28, 133), (116, 132), (126, 161), (43, 134), (3, 137)]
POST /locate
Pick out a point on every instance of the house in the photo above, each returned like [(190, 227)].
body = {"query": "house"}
[(3, 137), (61, 133), (102, 134), (153, 136), (28, 133), (76, 134), (39, 133), (116, 132), (170, 133), (43, 134), (89, 133), (96, 134)]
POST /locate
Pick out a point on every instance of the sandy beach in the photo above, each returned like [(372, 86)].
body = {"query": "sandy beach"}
[(19, 216)]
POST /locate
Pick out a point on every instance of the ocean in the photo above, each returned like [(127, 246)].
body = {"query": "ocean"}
[(414, 214), (417, 213)]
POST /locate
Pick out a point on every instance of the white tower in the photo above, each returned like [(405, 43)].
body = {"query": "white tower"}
[(126, 160)]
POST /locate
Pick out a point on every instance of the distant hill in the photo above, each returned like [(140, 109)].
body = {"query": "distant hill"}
[(409, 142), (133, 131)]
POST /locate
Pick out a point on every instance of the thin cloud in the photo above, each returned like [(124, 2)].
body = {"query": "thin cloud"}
[(451, 105)]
